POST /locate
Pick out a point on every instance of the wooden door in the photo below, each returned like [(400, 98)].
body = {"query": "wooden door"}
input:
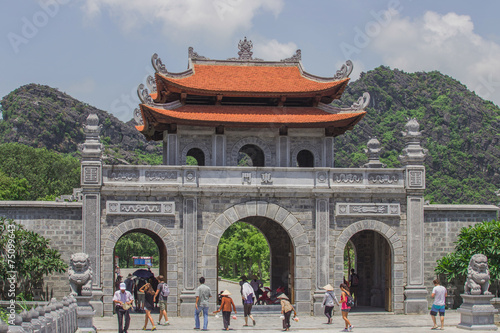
[(291, 274), (388, 278)]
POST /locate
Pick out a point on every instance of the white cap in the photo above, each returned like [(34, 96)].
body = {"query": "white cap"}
[(122, 286)]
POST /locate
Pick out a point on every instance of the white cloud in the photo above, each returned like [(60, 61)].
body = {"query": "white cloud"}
[(442, 42), (273, 50), (184, 18)]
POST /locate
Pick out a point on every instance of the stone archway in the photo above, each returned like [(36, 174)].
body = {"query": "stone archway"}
[(396, 257), (160, 235), (289, 223), (233, 157)]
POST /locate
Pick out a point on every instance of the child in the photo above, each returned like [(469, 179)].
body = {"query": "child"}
[(286, 311), (225, 306)]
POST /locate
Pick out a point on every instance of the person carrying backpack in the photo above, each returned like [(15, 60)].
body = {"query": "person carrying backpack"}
[(162, 293), (353, 285), (345, 301)]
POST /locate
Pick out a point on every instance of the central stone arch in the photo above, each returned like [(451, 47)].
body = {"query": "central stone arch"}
[(397, 257), (289, 223), (161, 236)]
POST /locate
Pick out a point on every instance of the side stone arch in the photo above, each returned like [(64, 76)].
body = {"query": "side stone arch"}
[(233, 158), (278, 214), (397, 253), (202, 147), (109, 241), (314, 150)]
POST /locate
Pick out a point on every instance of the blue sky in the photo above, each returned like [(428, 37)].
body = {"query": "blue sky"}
[(99, 51)]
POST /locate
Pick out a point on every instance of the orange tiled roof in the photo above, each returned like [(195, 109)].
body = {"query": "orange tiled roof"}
[(251, 79), (248, 116)]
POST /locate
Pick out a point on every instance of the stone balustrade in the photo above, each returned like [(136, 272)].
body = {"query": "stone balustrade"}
[(44, 317)]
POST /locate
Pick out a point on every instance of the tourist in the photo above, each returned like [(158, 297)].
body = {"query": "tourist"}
[(247, 297), (286, 311), (225, 307), (118, 281), (161, 295), (202, 293), (329, 300), (353, 285), (140, 295), (149, 305), (345, 308), (439, 294), (123, 301), (256, 285), (129, 283)]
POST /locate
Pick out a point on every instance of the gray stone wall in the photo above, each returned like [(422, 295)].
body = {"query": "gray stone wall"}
[(60, 222), (442, 225)]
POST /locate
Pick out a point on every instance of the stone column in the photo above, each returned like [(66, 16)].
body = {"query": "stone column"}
[(190, 272), (283, 151), (328, 152), (219, 148), (170, 148), (322, 252), (413, 159), (91, 182)]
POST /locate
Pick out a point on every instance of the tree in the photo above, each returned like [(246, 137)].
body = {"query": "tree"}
[(481, 238), (13, 188), (28, 255), (135, 244)]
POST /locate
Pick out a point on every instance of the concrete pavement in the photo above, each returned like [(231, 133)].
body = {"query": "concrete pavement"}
[(363, 322)]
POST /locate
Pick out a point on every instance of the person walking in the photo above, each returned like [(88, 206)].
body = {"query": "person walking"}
[(123, 301), (202, 293), (345, 307), (225, 307), (353, 285), (329, 300), (256, 285), (161, 295), (247, 297), (286, 311), (439, 294), (140, 295), (149, 305)]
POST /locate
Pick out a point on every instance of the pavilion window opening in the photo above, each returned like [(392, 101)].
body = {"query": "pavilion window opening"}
[(251, 155), (195, 156), (305, 159)]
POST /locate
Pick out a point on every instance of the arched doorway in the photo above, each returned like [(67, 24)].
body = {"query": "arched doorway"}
[(251, 155), (379, 262), (305, 159), (195, 156)]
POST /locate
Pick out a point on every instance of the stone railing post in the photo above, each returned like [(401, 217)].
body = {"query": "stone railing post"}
[(3, 326), (74, 317), (66, 314), (35, 321), (48, 318), (26, 325), (17, 327), (42, 319), (55, 315)]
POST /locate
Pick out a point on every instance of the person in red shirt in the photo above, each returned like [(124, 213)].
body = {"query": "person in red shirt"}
[(225, 307)]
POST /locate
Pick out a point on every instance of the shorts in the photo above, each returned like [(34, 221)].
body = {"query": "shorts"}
[(346, 310), (141, 297), (437, 308), (162, 304), (247, 309)]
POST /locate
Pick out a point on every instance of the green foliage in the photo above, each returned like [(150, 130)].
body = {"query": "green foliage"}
[(190, 160), (136, 244), (149, 159), (243, 249), (36, 174), (28, 254), (481, 238)]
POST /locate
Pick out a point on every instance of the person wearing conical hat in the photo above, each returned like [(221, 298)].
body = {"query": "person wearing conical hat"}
[(329, 300), (225, 307), (286, 311)]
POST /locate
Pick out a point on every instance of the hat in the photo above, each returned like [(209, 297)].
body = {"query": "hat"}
[(122, 286), (226, 293), (328, 287), (130, 276), (243, 277), (282, 296)]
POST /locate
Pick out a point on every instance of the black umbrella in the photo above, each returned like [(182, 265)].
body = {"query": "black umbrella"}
[(143, 273)]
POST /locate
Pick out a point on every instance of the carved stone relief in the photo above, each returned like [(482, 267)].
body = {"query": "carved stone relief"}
[(131, 175), (140, 208), (367, 209), (348, 178), (160, 175)]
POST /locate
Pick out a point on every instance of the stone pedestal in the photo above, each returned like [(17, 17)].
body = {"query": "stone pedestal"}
[(477, 313), (416, 301), (97, 303), (318, 301), (188, 300), (496, 304), (85, 314)]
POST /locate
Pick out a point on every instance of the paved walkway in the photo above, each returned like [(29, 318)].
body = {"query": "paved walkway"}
[(363, 322)]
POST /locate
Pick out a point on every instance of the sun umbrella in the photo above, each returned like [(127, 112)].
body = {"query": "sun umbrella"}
[(143, 273)]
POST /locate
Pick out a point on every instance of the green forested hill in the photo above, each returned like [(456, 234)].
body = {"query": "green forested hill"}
[(460, 131)]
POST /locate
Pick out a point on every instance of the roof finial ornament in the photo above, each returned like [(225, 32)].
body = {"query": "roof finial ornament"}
[(151, 83), (295, 58), (194, 55), (362, 102), (245, 46), (344, 71), (144, 96), (158, 64), (138, 116)]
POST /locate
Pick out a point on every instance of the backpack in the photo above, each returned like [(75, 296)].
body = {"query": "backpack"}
[(350, 301), (355, 280), (165, 290)]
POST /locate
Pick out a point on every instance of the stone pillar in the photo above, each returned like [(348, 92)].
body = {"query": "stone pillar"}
[(413, 160), (328, 152), (91, 182), (170, 148), (322, 252), (373, 153), (190, 272), (219, 148), (477, 313), (283, 151), (85, 314)]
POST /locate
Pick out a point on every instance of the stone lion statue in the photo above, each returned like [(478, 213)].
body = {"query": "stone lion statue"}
[(478, 276), (80, 275)]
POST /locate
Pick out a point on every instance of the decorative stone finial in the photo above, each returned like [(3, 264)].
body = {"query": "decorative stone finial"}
[(151, 83), (80, 275), (478, 276), (195, 56), (295, 58), (144, 96), (344, 71), (245, 48), (413, 153), (158, 64), (138, 117), (362, 102), (373, 153), (91, 148)]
